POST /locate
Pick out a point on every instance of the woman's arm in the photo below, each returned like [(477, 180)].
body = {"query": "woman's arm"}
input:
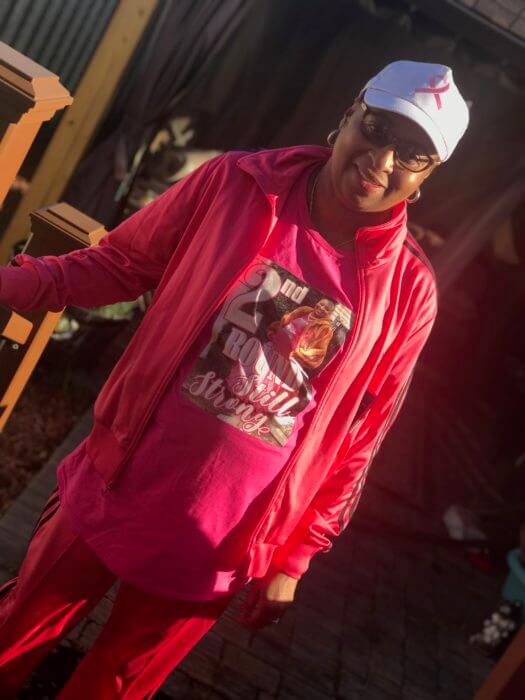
[(128, 261)]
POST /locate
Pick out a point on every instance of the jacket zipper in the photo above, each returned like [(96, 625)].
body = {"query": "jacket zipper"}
[(318, 411), (169, 373)]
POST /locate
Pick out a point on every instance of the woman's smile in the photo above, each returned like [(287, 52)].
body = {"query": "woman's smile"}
[(368, 182)]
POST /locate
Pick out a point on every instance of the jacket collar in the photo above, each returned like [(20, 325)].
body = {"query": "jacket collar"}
[(275, 171)]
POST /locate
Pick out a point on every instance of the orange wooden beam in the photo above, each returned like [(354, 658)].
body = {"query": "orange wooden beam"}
[(29, 96)]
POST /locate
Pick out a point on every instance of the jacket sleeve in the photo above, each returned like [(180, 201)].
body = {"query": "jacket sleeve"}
[(335, 502), (127, 261)]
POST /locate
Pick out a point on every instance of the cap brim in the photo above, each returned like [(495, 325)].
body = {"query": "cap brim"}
[(391, 103)]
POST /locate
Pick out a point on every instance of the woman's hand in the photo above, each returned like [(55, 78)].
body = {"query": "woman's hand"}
[(268, 599)]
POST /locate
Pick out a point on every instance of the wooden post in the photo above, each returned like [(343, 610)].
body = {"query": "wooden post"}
[(92, 99), (29, 95), (55, 230), (506, 681)]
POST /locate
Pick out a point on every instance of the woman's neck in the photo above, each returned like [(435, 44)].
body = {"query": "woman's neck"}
[(337, 224)]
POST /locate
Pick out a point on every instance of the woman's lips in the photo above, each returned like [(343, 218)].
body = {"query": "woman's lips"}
[(366, 184)]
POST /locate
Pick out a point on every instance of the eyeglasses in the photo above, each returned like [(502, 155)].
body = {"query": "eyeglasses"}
[(407, 155)]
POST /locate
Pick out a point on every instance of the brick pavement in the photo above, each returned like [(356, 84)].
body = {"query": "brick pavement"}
[(380, 617)]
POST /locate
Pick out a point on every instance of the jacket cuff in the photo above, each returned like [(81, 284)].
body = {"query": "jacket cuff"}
[(17, 287), (294, 559)]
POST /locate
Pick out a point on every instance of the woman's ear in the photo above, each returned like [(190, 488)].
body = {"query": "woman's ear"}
[(346, 116), (430, 170), (356, 104), (354, 107)]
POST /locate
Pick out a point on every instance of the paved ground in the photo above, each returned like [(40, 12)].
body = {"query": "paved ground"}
[(383, 616)]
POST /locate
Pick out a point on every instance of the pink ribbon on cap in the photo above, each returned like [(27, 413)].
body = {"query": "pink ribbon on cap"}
[(436, 91)]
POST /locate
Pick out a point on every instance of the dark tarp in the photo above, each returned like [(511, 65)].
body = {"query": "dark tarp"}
[(182, 40)]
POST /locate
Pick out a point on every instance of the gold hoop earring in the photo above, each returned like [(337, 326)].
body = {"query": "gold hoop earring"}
[(414, 197), (332, 137)]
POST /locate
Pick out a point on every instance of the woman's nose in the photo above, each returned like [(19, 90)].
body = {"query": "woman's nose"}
[(384, 157)]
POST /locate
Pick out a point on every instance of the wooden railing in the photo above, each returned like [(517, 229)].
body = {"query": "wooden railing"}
[(30, 95)]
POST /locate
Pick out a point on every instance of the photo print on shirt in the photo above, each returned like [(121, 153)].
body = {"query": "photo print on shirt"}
[(271, 337)]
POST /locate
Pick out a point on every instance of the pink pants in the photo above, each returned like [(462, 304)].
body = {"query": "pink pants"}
[(59, 582)]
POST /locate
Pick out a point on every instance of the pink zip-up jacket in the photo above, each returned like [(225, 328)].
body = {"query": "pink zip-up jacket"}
[(191, 244)]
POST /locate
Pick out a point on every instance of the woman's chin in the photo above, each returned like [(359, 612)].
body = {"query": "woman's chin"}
[(358, 202), (357, 198)]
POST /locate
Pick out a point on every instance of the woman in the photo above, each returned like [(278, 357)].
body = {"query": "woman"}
[(216, 458)]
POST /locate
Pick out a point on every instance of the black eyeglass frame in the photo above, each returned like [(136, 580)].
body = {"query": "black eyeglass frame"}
[(395, 142)]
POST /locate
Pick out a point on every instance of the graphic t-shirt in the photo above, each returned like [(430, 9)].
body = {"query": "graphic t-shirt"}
[(179, 520), (272, 336)]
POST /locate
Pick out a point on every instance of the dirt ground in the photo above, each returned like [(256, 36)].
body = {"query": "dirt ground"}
[(66, 381), (47, 410)]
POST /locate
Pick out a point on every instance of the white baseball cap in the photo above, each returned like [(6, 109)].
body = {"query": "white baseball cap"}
[(426, 94)]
